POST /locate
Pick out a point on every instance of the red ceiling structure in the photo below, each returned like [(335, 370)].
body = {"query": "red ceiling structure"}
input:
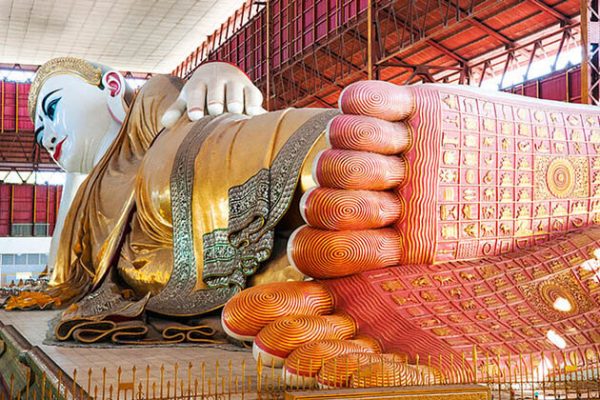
[(17, 144), (311, 49)]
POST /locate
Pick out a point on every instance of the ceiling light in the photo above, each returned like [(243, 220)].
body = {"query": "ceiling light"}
[(562, 304), (556, 339)]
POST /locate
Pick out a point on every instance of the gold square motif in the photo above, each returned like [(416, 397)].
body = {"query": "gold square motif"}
[(558, 177)]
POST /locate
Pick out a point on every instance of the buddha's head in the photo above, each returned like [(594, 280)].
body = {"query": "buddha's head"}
[(75, 105)]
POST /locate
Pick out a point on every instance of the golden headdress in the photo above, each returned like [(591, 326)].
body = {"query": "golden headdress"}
[(61, 65)]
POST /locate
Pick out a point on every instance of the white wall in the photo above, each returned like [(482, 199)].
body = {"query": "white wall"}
[(24, 245), (22, 257)]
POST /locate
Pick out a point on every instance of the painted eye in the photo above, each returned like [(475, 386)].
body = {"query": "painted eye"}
[(51, 110), (38, 135)]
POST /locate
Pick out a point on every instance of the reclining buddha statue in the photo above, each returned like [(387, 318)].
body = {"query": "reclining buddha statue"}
[(413, 221)]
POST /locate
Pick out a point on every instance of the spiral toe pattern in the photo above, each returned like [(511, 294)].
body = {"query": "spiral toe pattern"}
[(351, 132), (390, 373), (346, 169), (378, 99), (351, 215), (338, 371), (250, 310), (287, 333), (349, 209), (308, 359), (331, 254)]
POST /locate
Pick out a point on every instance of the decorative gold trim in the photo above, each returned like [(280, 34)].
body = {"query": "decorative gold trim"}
[(232, 255), (62, 65), (178, 297)]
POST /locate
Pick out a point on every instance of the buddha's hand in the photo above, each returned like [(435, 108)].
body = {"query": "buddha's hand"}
[(215, 88)]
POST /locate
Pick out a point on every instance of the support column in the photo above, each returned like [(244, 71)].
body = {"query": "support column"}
[(268, 50), (2, 89), (11, 210), (34, 204), (16, 107), (370, 64), (590, 43)]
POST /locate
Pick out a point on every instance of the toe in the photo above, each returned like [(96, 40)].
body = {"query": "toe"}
[(252, 309), (336, 209), (360, 133), (329, 254), (339, 371), (387, 372), (303, 364), (277, 340), (374, 370), (346, 169), (378, 99)]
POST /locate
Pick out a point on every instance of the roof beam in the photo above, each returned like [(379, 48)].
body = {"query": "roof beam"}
[(339, 58), (27, 166), (304, 93), (493, 33), (318, 74), (328, 50), (446, 51), (418, 33), (551, 11), (470, 17)]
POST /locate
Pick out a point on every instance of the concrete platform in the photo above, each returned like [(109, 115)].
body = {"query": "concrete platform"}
[(125, 369)]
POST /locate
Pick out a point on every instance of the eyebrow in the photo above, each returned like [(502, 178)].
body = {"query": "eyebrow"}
[(37, 132), (46, 98)]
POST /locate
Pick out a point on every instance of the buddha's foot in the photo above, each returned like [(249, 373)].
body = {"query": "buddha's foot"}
[(540, 302), (435, 173)]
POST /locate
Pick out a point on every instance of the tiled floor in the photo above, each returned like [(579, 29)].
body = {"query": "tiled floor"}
[(185, 362)]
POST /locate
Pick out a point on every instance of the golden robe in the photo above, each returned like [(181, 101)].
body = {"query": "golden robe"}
[(185, 217)]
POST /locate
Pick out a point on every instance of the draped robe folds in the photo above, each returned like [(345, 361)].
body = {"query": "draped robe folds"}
[(177, 221), (100, 211)]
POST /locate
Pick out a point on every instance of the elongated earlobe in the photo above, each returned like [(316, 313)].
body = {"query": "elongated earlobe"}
[(115, 89), (113, 81)]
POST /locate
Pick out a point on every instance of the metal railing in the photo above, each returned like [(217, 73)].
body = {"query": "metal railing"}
[(537, 376)]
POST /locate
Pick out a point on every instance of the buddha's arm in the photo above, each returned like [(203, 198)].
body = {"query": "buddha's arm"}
[(72, 182), (142, 127)]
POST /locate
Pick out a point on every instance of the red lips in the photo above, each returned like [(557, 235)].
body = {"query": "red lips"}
[(58, 149)]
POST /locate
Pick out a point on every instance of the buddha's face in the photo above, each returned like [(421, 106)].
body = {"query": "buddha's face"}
[(73, 119)]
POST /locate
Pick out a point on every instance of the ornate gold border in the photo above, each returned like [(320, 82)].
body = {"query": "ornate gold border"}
[(62, 65)]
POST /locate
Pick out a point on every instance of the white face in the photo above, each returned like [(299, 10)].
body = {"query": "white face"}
[(72, 120)]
